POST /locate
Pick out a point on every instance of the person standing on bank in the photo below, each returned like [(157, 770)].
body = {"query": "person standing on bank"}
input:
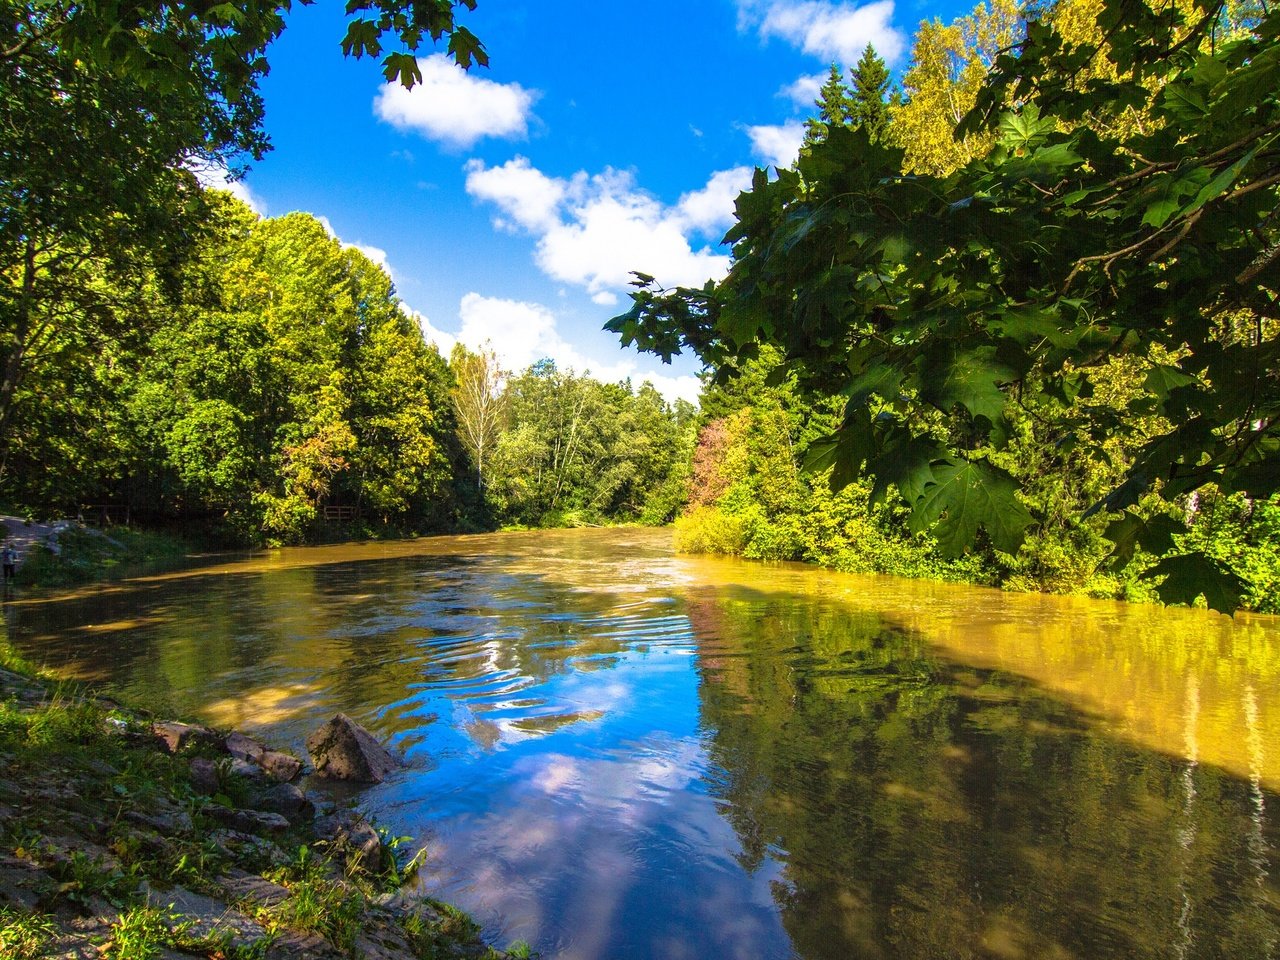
[(10, 558)]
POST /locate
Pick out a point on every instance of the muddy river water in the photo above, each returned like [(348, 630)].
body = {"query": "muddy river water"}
[(617, 752)]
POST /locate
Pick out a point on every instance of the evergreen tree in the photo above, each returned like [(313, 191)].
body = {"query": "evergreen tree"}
[(868, 99), (834, 107)]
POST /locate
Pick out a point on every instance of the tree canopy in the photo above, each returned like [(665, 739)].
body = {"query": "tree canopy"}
[(106, 108), (1126, 212)]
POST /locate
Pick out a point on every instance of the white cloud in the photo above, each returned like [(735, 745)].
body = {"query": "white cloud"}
[(527, 195), (375, 254), (521, 333), (778, 144), (433, 334), (831, 30), (593, 230), (709, 211), (454, 107), (216, 178), (803, 91)]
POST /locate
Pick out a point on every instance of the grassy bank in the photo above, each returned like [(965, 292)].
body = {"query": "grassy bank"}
[(118, 844), (84, 554)]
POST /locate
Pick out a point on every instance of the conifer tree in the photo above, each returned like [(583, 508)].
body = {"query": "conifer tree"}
[(834, 107), (868, 99)]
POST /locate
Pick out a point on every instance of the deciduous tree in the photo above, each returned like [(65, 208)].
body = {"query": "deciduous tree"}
[(934, 302)]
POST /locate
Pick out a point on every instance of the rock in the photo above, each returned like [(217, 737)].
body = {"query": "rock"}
[(242, 747), (247, 821), (344, 750), (286, 800), (235, 845), (280, 766), (101, 768), (295, 945), (22, 883), (209, 918), (248, 771), (166, 822), (256, 890), (176, 737), (350, 834), (204, 776)]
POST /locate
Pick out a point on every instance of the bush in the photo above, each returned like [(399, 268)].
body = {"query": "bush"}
[(710, 530)]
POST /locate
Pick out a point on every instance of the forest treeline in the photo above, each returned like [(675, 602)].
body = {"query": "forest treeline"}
[(881, 325), (1015, 322), (273, 373)]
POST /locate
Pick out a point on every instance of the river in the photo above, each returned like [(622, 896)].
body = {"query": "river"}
[(617, 752)]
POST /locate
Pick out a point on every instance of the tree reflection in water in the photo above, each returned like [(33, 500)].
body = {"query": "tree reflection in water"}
[(621, 753)]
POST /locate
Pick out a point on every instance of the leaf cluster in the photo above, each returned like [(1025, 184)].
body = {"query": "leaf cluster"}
[(935, 305)]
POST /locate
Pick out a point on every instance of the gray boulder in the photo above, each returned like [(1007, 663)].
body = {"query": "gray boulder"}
[(286, 800), (176, 737), (353, 836), (243, 747), (280, 766), (344, 750)]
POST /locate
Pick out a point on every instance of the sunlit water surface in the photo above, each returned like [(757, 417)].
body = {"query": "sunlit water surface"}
[(615, 752)]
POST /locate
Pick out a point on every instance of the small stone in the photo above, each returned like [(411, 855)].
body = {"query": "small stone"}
[(286, 800), (208, 918), (351, 834), (101, 768), (254, 889), (248, 771), (280, 766), (178, 736), (166, 822), (344, 750), (21, 883), (243, 748), (247, 821), (235, 845), (204, 776)]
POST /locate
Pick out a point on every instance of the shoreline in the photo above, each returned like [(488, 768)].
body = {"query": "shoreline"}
[(130, 837)]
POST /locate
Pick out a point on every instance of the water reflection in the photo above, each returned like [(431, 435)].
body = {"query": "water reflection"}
[(616, 752)]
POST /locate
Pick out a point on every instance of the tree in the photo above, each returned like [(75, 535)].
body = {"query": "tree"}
[(935, 302), (949, 65), (479, 404), (835, 108), (105, 107), (869, 95)]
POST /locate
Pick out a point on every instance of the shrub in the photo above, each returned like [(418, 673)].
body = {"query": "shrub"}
[(710, 530)]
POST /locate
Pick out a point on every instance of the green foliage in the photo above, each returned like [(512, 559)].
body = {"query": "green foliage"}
[(23, 935), (106, 109), (572, 450), (88, 554), (1012, 277), (318, 902), (869, 95), (1243, 536), (142, 933), (710, 530), (835, 107), (289, 378)]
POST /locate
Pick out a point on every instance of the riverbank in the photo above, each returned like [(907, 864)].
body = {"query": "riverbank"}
[(65, 553), (129, 838)]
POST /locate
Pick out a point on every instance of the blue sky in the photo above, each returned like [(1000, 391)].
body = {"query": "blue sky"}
[(510, 203)]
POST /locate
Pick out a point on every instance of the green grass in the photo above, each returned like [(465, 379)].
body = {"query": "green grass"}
[(23, 935), (86, 555), (74, 745), (318, 902)]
